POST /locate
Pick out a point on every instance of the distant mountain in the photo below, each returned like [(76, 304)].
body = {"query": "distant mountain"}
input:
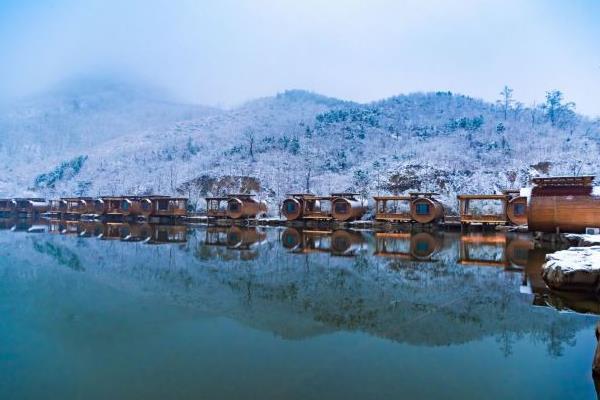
[(294, 141)]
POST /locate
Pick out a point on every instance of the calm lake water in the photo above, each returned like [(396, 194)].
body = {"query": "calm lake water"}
[(96, 311)]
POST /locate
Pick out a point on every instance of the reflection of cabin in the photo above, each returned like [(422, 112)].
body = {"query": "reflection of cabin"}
[(245, 206), (419, 207), (243, 238), (407, 245), (337, 243), (473, 215), (346, 207), (165, 234), (516, 208), (566, 204), (29, 206), (483, 249), (216, 207), (495, 249), (236, 242)]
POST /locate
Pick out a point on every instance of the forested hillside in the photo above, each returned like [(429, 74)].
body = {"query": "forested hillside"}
[(116, 141)]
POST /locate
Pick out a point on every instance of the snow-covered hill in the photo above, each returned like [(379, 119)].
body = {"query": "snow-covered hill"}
[(115, 139)]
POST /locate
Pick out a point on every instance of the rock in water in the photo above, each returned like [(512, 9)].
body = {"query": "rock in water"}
[(577, 268)]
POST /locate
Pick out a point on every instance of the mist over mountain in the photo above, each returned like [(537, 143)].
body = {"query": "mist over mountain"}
[(102, 137)]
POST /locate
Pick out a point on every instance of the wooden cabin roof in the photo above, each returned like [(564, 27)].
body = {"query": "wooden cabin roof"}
[(301, 195), (380, 198), (423, 194), (481, 196), (585, 180), (344, 194), (28, 199), (77, 198), (241, 195)]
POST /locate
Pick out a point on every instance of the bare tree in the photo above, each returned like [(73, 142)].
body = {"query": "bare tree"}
[(506, 100), (250, 138)]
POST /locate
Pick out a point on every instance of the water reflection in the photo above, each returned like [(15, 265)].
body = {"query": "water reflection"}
[(426, 289), (341, 243)]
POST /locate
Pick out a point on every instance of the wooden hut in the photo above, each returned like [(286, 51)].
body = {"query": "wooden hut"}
[(135, 206), (108, 205), (295, 206), (166, 206), (393, 208), (316, 207), (30, 206), (516, 208), (565, 204), (346, 207), (425, 208), (216, 207), (6, 207), (471, 215), (245, 206), (76, 206)]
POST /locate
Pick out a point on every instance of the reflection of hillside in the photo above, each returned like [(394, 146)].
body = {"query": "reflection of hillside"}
[(430, 303)]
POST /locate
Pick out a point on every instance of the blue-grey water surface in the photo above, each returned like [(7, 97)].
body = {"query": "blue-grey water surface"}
[(91, 311)]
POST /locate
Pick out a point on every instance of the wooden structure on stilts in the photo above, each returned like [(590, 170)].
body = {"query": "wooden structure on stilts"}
[(472, 215)]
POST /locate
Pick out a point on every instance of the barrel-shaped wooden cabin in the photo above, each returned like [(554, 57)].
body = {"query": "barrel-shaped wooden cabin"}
[(240, 206), (347, 207), (30, 206), (421, 207), (297, 205), (516, 208), (564, 203), (471, 213), (425, 208)]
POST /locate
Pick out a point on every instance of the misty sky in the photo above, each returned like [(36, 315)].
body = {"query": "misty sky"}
[(227, 51)]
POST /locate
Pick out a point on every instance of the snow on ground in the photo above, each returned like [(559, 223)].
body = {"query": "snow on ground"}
[(583, 240), (292, 142), (577, 268)]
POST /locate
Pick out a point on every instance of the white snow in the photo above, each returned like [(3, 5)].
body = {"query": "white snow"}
[(583, 240), (577, 268), (417, 142)]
